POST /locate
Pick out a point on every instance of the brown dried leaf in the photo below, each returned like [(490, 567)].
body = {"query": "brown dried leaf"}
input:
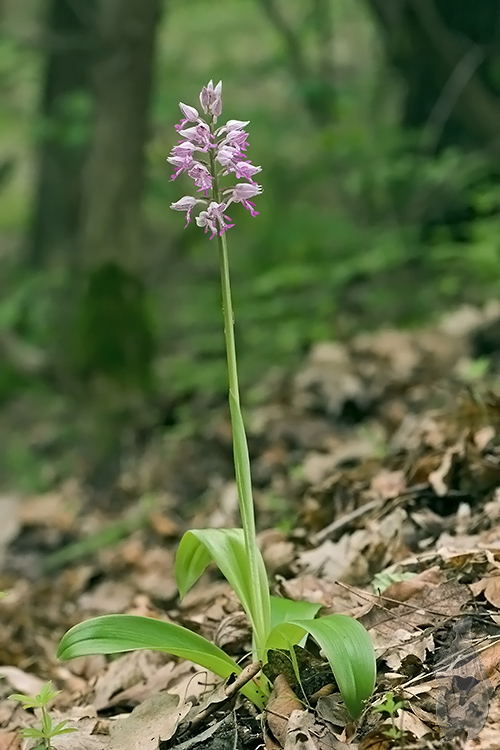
[(10, 741), (305, 732), (491, 660), (403, 591), (281, 704), (21, 681), (388, 484), (154, 721), (107, 598), (136, 668), (88, 735), (492, 590)]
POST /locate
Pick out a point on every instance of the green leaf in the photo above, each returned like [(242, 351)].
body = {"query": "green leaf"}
[(47, 724), (348, 648), (32, 732), (25, 700), (113, 634), (288, 610), (226, 547), (46, 694), (61, 728)]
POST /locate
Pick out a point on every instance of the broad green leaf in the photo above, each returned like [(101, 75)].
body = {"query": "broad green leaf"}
[(226, 547), (288, 610), (348, 648), (113, 634)]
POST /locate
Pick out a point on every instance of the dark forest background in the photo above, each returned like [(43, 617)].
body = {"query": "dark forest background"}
[(377, 125)]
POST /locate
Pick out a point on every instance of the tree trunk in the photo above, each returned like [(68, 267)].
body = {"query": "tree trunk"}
[(446, 52), (114, 179), (62, 147), (113, 338)]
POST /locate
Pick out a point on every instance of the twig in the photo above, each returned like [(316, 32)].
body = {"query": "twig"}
[(230, 690)]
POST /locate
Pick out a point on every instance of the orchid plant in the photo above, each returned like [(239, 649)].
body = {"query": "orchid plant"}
[(213, 155)]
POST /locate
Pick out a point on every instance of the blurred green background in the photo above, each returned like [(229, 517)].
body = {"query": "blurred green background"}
[(377, 126)]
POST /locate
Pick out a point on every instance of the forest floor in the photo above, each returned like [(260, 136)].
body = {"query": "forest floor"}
[(376, 468)]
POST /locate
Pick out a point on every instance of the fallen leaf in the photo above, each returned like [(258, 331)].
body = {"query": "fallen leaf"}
[(154, 721), (492, 591), (21, 681), (10, 741), (281, 704)]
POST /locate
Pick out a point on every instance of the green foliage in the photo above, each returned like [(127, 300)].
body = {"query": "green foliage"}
[(112, 634), (347, 647), (113, 336), (339, 238), (47, 730), (70, 127), (226, 547), (475, 369), (391, 707), (346, 644)]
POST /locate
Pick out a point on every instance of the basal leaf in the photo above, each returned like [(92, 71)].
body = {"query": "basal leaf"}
[(226, 547), (348, 648), (288, 610), (112, 634)]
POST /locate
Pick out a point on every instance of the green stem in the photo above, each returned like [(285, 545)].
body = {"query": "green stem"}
[(240, 445)]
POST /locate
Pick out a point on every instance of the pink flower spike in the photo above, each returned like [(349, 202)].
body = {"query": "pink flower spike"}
[(205, 220), (216, 106), (199, 134), (190, 113), (205, 95), (211, 99), (244, 170), (236, 138), (214, 215), (233, 125), (183, 164), (241, 193), (183, 149), (201, 177), (226, 155), (187, 203)]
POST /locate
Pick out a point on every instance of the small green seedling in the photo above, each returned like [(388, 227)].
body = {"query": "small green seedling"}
[(47, 730), (210, 154), (391, 707)]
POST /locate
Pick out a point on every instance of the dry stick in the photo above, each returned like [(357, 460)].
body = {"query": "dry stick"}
[(230, 690), (373, 597)]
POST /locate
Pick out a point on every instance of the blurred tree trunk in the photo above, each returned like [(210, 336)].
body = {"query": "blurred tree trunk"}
[(113, 338), (62, 146), (114, 178), (447, 53)]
